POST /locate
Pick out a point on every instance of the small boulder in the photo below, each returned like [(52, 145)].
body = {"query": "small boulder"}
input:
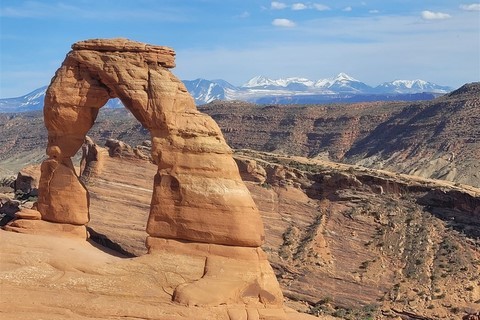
[(9, 207), (117, 148), (27, 181), (250, 170)]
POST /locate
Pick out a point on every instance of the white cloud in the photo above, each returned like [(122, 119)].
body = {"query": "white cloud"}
[(283, 23), (347, 9), (470, 7), (299, 6), (430, 15), (243, 15), (277, 5), (381, 51), (374, 11), (320, 7)]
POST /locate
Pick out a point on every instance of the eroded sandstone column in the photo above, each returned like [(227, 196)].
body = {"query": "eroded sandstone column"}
[(72, 102)]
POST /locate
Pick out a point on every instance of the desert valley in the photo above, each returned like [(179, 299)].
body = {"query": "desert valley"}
[(370, 210)]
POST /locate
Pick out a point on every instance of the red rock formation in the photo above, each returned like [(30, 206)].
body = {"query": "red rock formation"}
[(250, 170), (198, 194), (199, 204)]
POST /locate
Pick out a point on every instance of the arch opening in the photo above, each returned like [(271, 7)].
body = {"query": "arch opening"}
[(119, 180)]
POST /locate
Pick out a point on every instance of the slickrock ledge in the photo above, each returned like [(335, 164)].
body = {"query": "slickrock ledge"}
[(73, 279)]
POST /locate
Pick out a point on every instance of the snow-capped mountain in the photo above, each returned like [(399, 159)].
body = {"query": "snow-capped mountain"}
[(259, 82), (28, 102), (411, 86), (340, 78), (293, 83), (205, 91), (336, 89), (34, 101), (343, 83), (260, 89)]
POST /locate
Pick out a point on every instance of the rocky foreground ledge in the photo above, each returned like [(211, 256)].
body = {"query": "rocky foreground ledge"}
[(65, 278)]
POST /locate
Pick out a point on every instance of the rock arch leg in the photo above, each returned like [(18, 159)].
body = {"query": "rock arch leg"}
[(71, 105)]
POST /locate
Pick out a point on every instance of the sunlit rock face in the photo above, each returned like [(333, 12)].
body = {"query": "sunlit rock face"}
[(197, 194), (200, 208)]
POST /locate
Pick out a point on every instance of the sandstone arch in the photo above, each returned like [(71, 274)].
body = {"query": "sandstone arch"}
[(197, 193), (201, 213)]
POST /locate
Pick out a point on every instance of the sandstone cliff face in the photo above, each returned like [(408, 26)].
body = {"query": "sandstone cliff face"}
[(435, 139), (350, 240), (299, 130), (343, 240), (440, 139)]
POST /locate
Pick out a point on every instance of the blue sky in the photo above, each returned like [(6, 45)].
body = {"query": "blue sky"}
[(373, 40)]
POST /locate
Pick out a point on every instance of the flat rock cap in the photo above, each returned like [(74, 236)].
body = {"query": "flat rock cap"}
[(161, 54)]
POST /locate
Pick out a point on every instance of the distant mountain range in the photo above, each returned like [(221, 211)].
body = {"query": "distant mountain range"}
[(342, 88), (260, 89)]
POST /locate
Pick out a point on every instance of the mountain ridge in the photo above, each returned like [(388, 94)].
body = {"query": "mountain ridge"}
[(261, 89), (436, 139)]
